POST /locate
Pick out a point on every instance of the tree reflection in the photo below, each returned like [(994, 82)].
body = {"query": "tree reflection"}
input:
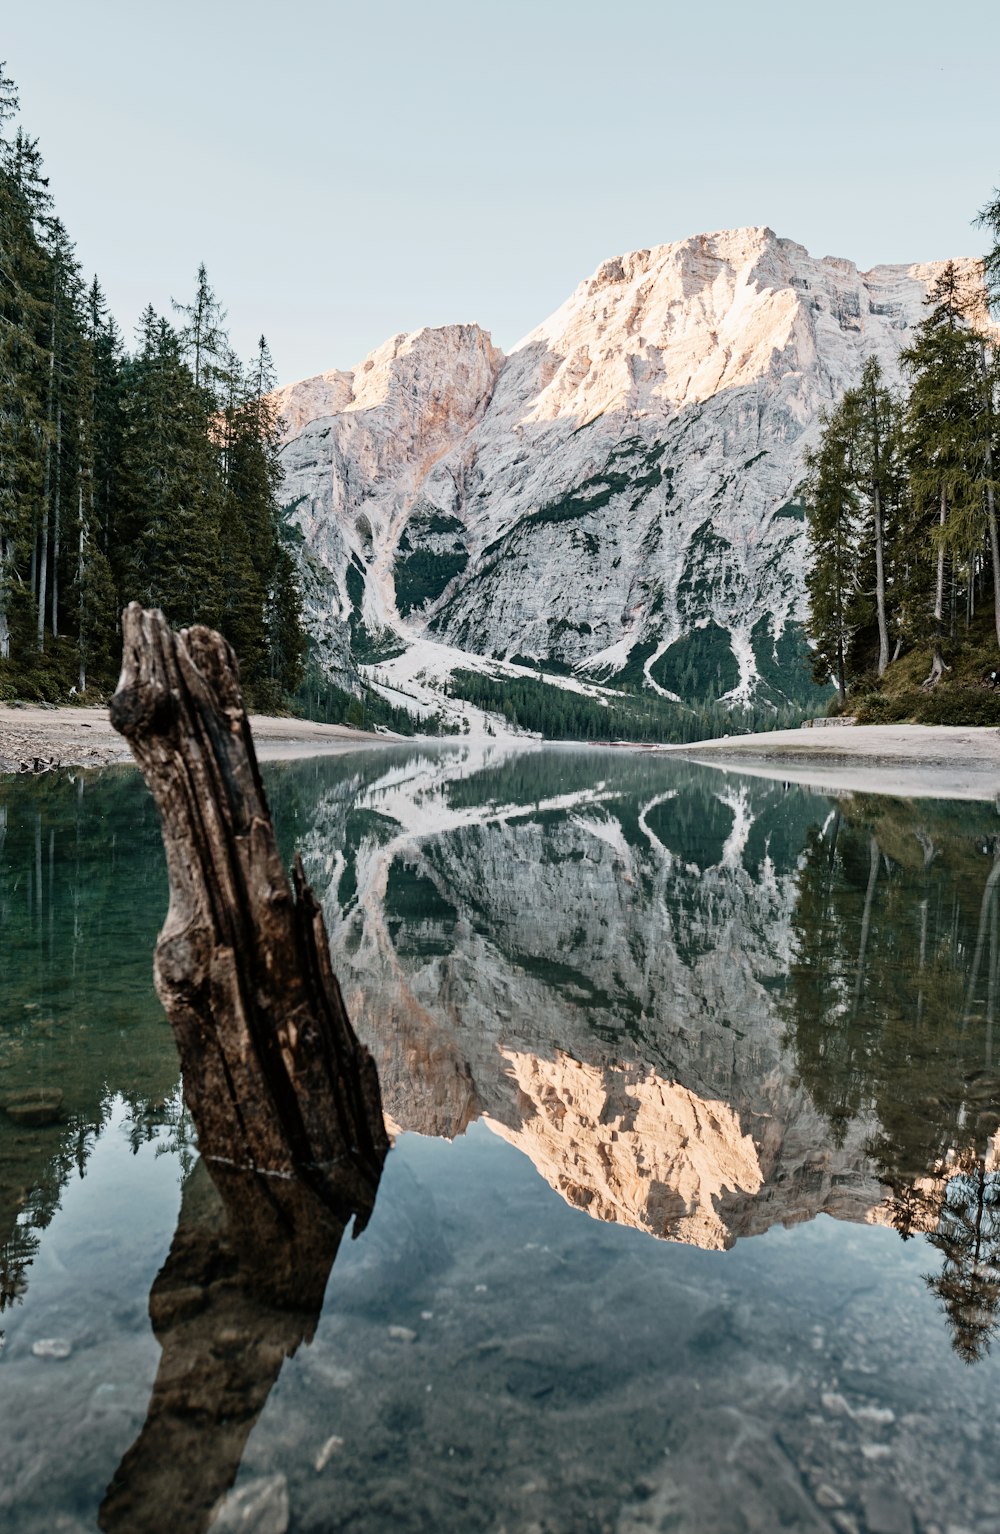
[(242, 1288), (968, 1236), (80, 868), (892, 999)]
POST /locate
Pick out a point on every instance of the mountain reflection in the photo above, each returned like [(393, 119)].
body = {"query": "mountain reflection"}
[(590, 953), (702, 1005)]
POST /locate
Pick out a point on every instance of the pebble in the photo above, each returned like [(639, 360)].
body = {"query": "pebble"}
[(332, 1446), (52, 1347), (827, 1497), (886, 1512), (877, 1416), (402, 1334), (832, 1402), (258, 1507), (875, 1451)]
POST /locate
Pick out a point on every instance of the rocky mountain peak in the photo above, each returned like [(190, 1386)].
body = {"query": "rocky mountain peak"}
[(618, 496)]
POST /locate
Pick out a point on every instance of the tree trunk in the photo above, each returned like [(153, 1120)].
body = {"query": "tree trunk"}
[(57, 503), (4, 622), (991, 509), (80, 572), (43, 553), (991, 516), (274, 1075), (938, 667), (883, 627)]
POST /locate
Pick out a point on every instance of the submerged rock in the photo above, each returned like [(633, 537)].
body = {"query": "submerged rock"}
[(886, 1511), (35, 1108), (258, 1507), (52, 1347)]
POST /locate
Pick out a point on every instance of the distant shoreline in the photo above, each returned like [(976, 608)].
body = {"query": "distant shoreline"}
[(908, 760)]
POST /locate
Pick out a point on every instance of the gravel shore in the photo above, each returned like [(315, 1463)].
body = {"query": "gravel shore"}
[(911, 760), (34, 738)]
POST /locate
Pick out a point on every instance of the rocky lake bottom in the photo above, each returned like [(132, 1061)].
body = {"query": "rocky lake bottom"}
[(692, 1221)]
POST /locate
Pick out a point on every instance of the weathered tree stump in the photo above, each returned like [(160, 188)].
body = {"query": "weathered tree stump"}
[(274, 1075)]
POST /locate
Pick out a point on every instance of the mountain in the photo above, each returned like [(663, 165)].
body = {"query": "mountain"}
[(616, 500)]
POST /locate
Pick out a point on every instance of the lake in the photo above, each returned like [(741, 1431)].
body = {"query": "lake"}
[(692, 1221)]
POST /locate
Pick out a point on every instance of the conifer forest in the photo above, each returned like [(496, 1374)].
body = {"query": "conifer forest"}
[(146, 472), (901, 497)]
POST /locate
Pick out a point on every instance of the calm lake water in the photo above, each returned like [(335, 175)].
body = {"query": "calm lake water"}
[(692, 1221)]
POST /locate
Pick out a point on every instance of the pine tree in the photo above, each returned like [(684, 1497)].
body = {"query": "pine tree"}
[(255, 487), (24, 432), (203, 337), (96, 600), (832, 514), (877, 452), (946, 423), (170, 488), (989, 219), (66, 341), (243, 577)]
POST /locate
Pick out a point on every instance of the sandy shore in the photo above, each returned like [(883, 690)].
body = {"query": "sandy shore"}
[(911, 760), (83, 737)]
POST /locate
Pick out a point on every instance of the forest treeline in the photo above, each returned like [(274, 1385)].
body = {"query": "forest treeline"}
[(901, 499), (559, 713), (147, 474)]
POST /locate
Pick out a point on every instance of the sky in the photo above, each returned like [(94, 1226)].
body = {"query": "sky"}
[(348, 171)]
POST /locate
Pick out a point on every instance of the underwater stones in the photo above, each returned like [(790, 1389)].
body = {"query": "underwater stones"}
[(33, 1108), (727, 1473)]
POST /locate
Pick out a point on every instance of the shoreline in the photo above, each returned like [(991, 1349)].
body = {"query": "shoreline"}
[(910, 761), (906, 760), (83, 737)]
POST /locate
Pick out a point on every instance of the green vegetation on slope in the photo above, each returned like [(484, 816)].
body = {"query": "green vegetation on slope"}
[(557, 713)]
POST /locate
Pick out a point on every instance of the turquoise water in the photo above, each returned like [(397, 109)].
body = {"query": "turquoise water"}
[(691, 1221)]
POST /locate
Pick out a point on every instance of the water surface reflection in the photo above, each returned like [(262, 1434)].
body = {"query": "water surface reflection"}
[(703, 1007)]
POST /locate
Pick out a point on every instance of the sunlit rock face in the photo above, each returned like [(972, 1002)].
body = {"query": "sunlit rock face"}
[(620, 492), (543, 952)]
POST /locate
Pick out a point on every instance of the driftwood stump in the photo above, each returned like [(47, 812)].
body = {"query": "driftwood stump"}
[(274, 1075)]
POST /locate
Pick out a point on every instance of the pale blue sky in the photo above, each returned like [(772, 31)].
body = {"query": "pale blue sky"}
[(348, 171)]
